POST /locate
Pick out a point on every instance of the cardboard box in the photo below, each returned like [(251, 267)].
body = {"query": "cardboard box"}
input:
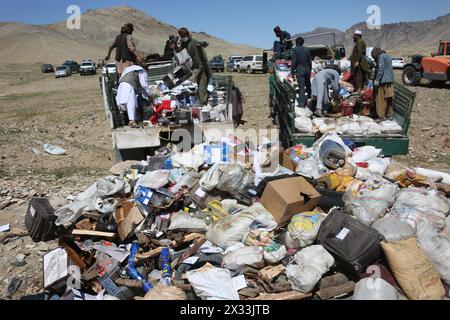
[(287, 197), (286, 161), (128, 217)]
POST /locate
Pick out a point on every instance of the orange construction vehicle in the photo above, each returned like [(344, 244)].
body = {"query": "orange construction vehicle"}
[(436, 68)]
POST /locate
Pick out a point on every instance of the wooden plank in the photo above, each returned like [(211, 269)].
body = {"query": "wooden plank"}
[(94, 233), (270, 273), (284, 296), (338, 291), (192, 251), (156, 252)]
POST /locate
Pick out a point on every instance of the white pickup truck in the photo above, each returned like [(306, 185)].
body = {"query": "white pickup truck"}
[(137, 144)]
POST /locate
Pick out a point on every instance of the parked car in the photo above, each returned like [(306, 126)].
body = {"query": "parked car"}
[(109, 68), (47, 68), (398, 63), (233, 63), (217, 64), (88, 68), (63, 71), (251, 64), (74, 66)]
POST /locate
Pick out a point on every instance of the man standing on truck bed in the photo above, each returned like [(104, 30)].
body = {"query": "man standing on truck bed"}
[(283, 45), (360, 65), (126, 53), (301, 68), (384, 84), (201, 73)]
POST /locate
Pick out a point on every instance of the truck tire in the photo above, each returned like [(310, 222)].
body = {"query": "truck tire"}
[(411, 77)]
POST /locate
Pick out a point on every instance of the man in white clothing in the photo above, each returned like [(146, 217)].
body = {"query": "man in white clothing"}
[(132, 83)]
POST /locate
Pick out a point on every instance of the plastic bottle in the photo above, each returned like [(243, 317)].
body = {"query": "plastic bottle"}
[(131, 268), (166, 267)]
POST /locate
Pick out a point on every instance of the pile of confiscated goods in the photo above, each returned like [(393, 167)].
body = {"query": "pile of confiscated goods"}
[(351, 114), (180, 105), (232, 221)]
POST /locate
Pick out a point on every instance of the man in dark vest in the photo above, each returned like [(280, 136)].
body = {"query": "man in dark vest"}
[(126, 53), (301, 68), (201, 73)]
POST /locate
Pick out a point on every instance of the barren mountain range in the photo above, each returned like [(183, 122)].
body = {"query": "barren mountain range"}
[(54, 43)]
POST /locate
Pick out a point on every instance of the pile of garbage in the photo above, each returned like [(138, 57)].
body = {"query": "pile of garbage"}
[(234, 221), (180, 104)]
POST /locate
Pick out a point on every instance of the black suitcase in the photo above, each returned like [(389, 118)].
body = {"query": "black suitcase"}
[(354, 245), (40, 220)]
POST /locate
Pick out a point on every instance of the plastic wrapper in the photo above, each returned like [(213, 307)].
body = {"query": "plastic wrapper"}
[(393, 229), (437, 248), (227, 178), (247, 256), (371, 206), (374, 289), (304, 228), (95, 198)]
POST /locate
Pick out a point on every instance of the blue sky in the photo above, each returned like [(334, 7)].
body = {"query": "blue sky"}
[(242, 21)]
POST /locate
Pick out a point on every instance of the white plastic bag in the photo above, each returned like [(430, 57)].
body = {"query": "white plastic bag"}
[(393, 229), (210, 179), (304, 228), (415, 204), (312, 263), (226, 232), (303, 125), (274, 253), (303, 112), (365, 154), (183, 221), (390, 127), (213, 284), (247, 256), (95, 198), (374, 289), (371, 206), (286, 239), (436, 176), (437, 248)]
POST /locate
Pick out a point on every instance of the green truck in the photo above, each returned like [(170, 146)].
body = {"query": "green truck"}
[(392, 145)]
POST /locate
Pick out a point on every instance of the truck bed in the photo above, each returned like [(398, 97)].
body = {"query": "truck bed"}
[(391, 144)]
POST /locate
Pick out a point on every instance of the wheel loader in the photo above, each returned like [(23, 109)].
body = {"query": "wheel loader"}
[(435, 69)]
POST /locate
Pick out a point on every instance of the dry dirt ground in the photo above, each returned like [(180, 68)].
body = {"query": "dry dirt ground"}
[(36, 109)]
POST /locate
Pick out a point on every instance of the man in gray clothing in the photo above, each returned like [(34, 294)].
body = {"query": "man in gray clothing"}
[(301, 68), (324, 81)]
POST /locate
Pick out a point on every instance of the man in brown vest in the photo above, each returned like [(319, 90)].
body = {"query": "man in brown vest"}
[(360, 65), (126, 52)]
